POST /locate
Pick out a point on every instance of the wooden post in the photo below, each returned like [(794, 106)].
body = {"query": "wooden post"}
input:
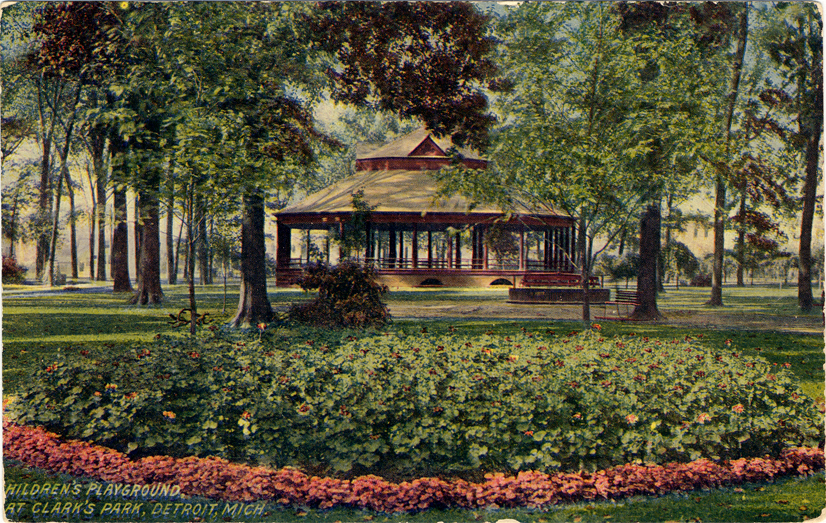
[(392, 245), (340, 235), (458, 251), (401, 249), (449, 250), (429, 249), (368, 247), (474, 255), (415, 247), (485, 263), (282, 251), (522, 248), (572, 246)]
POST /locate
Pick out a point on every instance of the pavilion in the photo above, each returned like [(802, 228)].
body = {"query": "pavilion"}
[(413, 237)]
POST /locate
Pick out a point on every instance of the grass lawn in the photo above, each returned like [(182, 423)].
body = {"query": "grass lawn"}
[(35, 327)]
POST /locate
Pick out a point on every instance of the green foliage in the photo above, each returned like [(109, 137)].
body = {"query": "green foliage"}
[(413, 69), (421, 404), (348, 296), (501, 242), (621, 267), (353, 236), (680, 260)]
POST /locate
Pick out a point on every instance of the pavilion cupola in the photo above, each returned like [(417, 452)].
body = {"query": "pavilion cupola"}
[(416, 151)]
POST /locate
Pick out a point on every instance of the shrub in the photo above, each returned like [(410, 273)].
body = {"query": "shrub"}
[(416, 405), (701, 280), (12, 272), (348, 296)]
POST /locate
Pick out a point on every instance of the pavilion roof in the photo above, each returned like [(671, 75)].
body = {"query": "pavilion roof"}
[(397, 191), (408, 186)]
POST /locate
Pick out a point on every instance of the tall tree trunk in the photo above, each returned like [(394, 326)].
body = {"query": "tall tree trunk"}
[(621, 247), (201, 239), (647, 275), (253, 304), (101, 217), (120, 245), (96, 145), (149, 287), (178, 250), (45, 188), (211, 251), (187, 212), (92, 213), (667, 248), (720, 213), (138, 233), (804, 273), (741, 239), (193, 306), (171, 264), (72, 225), (64, 175), (55, 229), (581, 247), (12, 233)]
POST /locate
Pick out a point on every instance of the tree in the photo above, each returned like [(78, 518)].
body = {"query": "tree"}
[(226, 91), (352, 236), (794, 43), (66, 58), (723, 165), (680, 260), (17, 197), (403, 58), (569, 141), (421, 60), (705, 32), (501, 243)]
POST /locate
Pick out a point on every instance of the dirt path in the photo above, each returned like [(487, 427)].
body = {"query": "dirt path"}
[(705, 319)]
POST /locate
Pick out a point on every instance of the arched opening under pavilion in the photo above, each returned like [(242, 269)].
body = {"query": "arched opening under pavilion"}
[(413, 238)]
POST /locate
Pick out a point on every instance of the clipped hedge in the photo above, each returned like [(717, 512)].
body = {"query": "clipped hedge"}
[(412, 405), (219, 479)]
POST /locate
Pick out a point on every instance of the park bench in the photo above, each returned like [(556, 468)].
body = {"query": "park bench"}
[(557, 280), (623, 298)]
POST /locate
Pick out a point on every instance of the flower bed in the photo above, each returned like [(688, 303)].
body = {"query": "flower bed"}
[(219, 479), (456, 404)]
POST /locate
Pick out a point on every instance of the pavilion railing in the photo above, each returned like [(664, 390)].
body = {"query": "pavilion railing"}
[(473, 264)]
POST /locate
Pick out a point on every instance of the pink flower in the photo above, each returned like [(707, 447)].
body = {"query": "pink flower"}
[(702, 418), (596, 326), (738, 408), (631, 419)]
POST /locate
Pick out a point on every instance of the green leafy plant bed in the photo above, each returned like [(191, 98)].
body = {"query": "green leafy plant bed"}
[(409, 405), (218, 479)]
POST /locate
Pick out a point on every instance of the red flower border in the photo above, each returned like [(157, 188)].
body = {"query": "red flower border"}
[(220, 479)]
